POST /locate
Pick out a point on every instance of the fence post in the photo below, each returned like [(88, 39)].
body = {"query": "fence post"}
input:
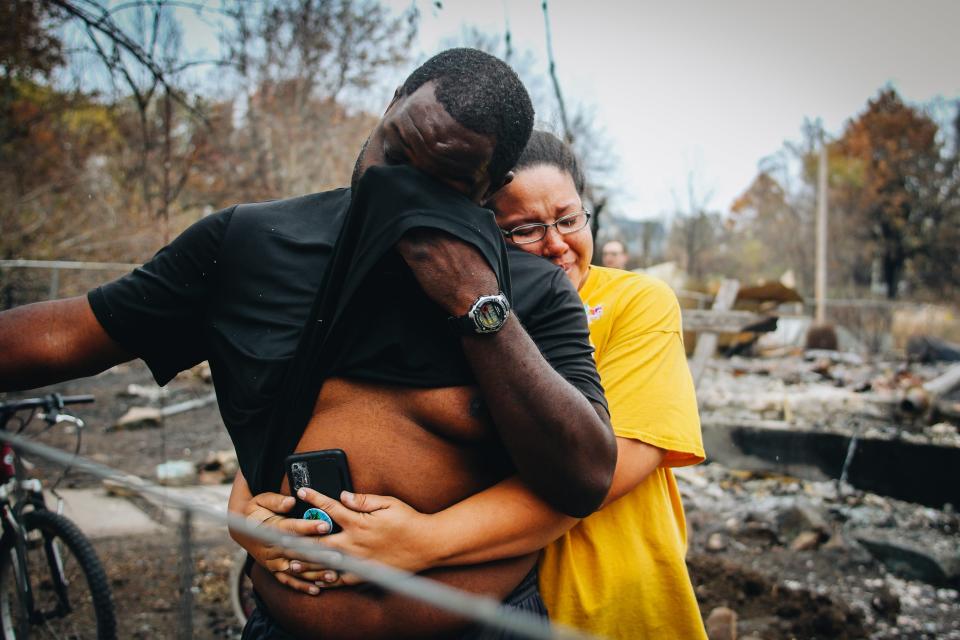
[(54, 283), (185, 631)]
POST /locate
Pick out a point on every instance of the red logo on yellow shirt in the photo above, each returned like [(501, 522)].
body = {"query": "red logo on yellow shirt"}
[(594, 312)]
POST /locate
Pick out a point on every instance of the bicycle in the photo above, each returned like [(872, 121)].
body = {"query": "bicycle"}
[(52, 584)]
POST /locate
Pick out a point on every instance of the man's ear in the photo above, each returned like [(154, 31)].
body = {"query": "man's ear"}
[(492, 191)]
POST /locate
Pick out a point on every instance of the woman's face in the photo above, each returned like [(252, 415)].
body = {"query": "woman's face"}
[(545, 193)]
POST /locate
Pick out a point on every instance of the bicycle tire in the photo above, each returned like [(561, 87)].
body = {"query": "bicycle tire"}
[(91, 611)]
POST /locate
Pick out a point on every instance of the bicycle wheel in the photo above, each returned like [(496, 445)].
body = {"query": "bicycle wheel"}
[(77, 606)]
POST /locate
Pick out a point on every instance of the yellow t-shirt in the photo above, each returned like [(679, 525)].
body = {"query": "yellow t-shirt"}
[(620, 573)]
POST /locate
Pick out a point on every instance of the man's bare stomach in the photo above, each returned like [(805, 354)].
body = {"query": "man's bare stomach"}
[(430, 448)]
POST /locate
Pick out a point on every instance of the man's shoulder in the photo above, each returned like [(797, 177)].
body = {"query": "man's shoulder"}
[(322, 203), (315, 217), (540, 288)]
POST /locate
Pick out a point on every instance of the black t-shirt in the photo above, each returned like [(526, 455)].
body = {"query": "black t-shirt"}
[(237, 287), (373, 321)]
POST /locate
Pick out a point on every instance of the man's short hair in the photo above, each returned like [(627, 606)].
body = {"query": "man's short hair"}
[(482, 93)]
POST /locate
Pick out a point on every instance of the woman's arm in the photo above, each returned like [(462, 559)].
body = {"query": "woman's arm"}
[(504, 521), (635, 461), (509, 520)]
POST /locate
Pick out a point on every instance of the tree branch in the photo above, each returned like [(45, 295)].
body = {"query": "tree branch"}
[(105, 25)]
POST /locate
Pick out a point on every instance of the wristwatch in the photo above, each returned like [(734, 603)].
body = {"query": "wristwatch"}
[(487, 315)]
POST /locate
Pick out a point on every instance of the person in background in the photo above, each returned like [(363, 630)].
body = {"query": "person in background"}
[(620, 572), (614, 255)]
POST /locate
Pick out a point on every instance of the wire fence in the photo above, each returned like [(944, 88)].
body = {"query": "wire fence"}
[(877, 326), (869, 321), (479, 609), (884, 326), (26, 281)]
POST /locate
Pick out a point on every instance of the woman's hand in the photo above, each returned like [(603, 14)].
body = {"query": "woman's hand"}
[(265, 509), (375, 527)]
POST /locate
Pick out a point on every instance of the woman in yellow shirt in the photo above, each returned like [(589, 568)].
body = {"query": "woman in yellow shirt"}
[(620, 572)]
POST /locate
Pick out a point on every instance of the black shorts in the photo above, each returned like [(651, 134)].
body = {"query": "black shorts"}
[(526, 597)]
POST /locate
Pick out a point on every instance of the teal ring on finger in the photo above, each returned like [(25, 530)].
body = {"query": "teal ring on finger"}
[(314, 513)]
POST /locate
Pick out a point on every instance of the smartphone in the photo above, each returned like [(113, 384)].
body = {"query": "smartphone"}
[(324, 471)]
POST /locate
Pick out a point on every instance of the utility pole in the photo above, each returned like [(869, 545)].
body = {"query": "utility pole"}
[(820, 284), (564, 121)]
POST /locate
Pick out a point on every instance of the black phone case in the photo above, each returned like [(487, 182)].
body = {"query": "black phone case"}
[(324, 471)]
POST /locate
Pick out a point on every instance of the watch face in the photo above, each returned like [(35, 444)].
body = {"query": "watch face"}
[(490, 315)]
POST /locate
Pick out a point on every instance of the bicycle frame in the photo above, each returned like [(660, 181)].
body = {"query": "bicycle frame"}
[(15, 497), (13, 530), (18, 495)]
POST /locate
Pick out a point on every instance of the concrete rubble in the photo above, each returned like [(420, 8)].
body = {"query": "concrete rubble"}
[(721, 624), (892, 564), (176, 473), (219, 467), (829, 415), (832, 392), (152, 417), (867, 564)]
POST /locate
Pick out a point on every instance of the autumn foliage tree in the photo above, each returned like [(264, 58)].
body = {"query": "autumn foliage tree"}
[(759, 217), (47, 135), (28, 53), (894, 209), (894, 190)]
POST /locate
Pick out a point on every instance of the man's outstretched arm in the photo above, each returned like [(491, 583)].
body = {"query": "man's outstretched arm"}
[(49, 342), (562, 447)]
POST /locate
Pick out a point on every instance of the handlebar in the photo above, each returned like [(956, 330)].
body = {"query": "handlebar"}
[(48, 403)]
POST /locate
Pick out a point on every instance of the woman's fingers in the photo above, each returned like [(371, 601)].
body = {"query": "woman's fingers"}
[(292, 526), (333, 579), (306, 570), (346, 513), (273, 502), (350, 580), (340, 514), (300, 527), (365, 502), (297, 584)]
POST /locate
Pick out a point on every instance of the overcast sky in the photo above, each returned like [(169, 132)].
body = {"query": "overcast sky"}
[(706, 87), (712, 87)]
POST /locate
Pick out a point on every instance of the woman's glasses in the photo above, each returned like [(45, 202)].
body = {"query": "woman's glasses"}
[(536, 231)]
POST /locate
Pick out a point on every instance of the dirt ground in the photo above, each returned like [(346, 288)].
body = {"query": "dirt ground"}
[(778, 593), (145, 575)]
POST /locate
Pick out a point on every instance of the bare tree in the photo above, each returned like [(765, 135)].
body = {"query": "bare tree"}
[(694, 230), (140, 45), (578, 125), (297, 62)]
